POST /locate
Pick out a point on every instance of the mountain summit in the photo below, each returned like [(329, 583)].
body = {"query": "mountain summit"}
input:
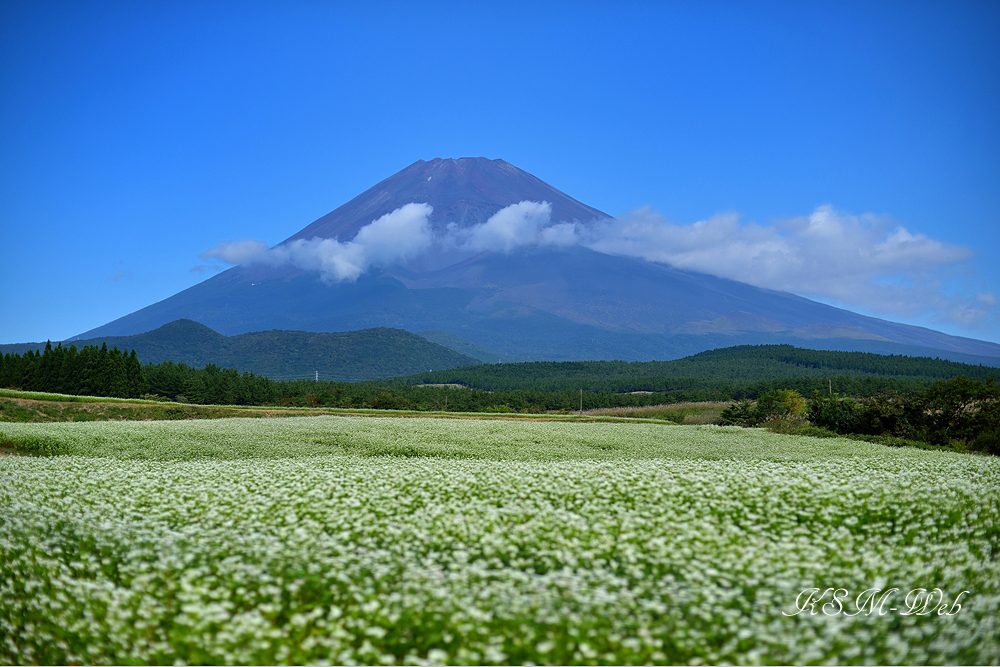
[(464, 191), (477, 254)]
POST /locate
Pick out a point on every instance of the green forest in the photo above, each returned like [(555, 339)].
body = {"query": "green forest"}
[(99, 371), (729, 374), (726, 368)]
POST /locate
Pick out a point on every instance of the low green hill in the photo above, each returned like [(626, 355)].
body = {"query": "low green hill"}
[(738, 365), (349, 356)]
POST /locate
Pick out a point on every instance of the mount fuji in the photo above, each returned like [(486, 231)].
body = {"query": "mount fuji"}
[(477, 254)]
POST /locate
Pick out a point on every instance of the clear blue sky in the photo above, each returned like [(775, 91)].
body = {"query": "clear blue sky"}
[(134, 136)]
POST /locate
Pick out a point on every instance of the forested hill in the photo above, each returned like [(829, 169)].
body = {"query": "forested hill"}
[(743, 364), (350, 356)]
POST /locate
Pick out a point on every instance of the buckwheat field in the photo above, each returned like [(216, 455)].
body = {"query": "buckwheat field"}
[(412, 541)]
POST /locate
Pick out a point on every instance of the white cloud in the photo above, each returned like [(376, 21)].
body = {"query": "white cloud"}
[(563, 234), (402, 234), (509, 228), (526, 223), (396, 236), (861, 261)]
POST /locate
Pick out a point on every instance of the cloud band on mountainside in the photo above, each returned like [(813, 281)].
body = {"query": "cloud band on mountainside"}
[(403, 234), (860, 261)]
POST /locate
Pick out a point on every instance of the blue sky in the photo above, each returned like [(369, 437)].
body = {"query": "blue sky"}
[(844, 151)]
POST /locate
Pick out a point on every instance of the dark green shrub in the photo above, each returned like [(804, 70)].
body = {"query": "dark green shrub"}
[(958, 410), (987, 442), (836, 413), (744, 413), (887, 414)]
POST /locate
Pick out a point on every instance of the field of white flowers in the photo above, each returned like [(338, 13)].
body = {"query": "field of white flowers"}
[(370, 540)]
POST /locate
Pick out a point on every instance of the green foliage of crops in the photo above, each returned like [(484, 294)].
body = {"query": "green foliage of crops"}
[(376, 540), (498, 440)]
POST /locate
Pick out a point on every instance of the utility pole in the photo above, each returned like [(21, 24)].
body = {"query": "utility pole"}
[(581, 401), (317, 376)]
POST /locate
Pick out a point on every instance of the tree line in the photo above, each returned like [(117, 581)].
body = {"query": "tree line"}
[(390, 395), (91, 371), (727, 369), (99, 371)]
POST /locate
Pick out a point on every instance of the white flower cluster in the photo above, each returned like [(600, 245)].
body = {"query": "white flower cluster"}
[(228, 543), (243, 438)]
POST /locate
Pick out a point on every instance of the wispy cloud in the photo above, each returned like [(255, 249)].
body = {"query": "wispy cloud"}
[(120, 275), (238, 252)]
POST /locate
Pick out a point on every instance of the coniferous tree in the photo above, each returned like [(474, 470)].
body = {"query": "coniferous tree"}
[(116, 381), (29, 371), (133, 374), (89, 368), (104, 372), (70, 369), (45, 379)]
